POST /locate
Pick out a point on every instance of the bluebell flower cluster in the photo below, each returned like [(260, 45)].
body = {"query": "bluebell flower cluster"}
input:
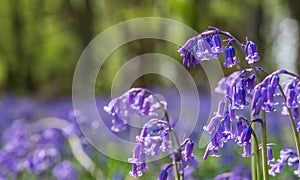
[(200, 48), (237, 87), (208, 45), (240, 89), (186, 161), (264, 95), (28, 150), (225, 126), (287, 156), (156, 135), (65, 170), (154, 138), (292, 92), (135, 101)]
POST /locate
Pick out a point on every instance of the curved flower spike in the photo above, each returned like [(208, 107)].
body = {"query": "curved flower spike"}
[(135, 101)]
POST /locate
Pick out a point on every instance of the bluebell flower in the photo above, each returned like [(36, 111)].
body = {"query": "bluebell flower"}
[(239, 97), (190, 60), (209, 41), (186, 161), (287, 156), (158, 137), (135, 172), (211, 127), (230, 57), (42, 159), (270, 157), (135, 101), (153, 139), (252, 53), (187, 46), (222, 129), (65, 170), (225, 84), (211, 148), (221, 108), (245, 136), (187, 154), (247, 149), (297, 171), (250, 82), (292, 92), (239, 128), (189, 160), (204, 51), (217, 44), (198, 49), (218, 139), (227, 125), (291, 96), (10, 165), (237, 87), (264, 95), (118, 124), (163, 175), (274, 81)]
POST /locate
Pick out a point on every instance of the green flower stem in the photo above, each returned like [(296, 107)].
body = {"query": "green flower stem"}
[(256, 169), (264, 138), (178, 176), (264, 146), (256, 164)]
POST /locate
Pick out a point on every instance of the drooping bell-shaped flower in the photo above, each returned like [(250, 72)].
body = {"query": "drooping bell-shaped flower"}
[(245, 136), (217, 44), (204, 51), (230, 57), (118, 124), (211, 127), (163, 175), (187, 46), (252, 53), (135, 171), (247, 150), (270, 157)]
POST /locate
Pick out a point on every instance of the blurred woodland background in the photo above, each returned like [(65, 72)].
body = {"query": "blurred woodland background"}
[(41, 41)]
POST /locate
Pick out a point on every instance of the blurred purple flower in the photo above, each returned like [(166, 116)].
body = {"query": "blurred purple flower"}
[(65, 170), (135, 101), (42, 159)]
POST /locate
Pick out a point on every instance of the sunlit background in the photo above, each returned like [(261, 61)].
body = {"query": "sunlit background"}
[(41, 41)]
